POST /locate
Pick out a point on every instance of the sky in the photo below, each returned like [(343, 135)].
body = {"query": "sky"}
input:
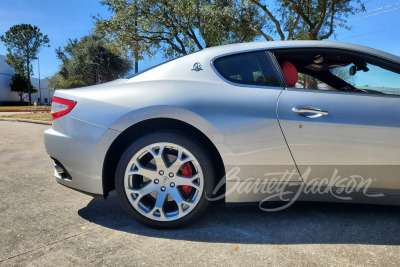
[(378, 28)]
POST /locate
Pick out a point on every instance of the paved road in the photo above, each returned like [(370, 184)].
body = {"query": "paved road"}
[(45, 224)]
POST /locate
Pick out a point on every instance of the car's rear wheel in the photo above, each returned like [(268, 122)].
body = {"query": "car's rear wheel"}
[(162, 180)]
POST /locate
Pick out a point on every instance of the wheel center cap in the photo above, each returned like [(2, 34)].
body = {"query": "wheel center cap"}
[(164, 180)]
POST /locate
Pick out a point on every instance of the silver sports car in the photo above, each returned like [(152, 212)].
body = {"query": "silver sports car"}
[(255, 122)]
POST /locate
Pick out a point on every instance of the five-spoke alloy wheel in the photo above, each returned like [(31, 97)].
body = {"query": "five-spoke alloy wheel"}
[(162, 180)]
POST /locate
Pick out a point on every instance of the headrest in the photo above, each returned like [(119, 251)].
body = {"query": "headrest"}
[(290, 72)]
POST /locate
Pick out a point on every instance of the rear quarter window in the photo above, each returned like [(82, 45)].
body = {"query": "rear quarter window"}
[(253, 68)]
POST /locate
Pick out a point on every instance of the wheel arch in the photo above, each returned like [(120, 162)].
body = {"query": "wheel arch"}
[(147, 126)]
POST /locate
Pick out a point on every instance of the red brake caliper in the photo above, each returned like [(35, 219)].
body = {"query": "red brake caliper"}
[(187, 171)]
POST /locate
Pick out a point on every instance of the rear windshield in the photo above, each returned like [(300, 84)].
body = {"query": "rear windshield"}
[(131, 75)]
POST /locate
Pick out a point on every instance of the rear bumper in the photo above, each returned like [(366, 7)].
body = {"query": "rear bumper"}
[(79, 148)]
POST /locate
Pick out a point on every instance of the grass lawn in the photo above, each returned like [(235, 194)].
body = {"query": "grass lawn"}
[(39, 116), (23, 107)]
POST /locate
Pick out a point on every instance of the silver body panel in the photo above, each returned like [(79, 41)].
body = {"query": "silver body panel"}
[(242, 122), (359, 136)]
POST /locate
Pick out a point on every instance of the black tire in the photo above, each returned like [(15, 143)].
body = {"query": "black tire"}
[(175, 138)]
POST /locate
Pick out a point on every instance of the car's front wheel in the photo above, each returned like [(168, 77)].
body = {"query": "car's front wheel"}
[(162, 180)]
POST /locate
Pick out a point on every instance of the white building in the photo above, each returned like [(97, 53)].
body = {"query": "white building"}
[(7, 97), (6, 72), (47, 93)]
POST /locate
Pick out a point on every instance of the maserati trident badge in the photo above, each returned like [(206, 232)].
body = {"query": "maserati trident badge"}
[(197, 67)]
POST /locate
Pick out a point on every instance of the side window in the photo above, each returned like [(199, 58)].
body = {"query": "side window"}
[(252, 68), (370, 78), (338, 70)]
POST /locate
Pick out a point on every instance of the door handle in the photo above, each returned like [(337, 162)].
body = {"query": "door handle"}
[(307, 111)]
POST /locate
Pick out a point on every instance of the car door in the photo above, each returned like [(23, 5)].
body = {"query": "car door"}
[(350, 137)]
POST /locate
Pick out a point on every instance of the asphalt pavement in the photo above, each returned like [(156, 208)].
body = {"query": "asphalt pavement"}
[(45, 224)]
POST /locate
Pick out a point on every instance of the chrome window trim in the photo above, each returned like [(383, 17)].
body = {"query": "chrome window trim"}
[(239, 84)]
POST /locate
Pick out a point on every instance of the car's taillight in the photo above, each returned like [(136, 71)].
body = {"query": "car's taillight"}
[(61, 107)]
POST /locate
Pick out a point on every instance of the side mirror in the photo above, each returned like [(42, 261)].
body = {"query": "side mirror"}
[(353, 70)]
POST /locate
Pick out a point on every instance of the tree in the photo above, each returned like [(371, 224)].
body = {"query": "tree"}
[(176, 27), (57, 81), (88, 62), (23, 43), (307, 19), (19, 84)]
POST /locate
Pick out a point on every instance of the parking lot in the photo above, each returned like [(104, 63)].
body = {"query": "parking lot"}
[(44, 224)]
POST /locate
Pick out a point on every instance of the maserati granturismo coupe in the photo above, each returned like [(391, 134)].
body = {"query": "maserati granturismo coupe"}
[(253, 122)]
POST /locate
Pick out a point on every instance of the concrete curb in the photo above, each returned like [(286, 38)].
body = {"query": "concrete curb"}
[(25, 120)]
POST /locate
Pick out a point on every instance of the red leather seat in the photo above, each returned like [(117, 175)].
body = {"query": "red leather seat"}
[(290, 72)]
